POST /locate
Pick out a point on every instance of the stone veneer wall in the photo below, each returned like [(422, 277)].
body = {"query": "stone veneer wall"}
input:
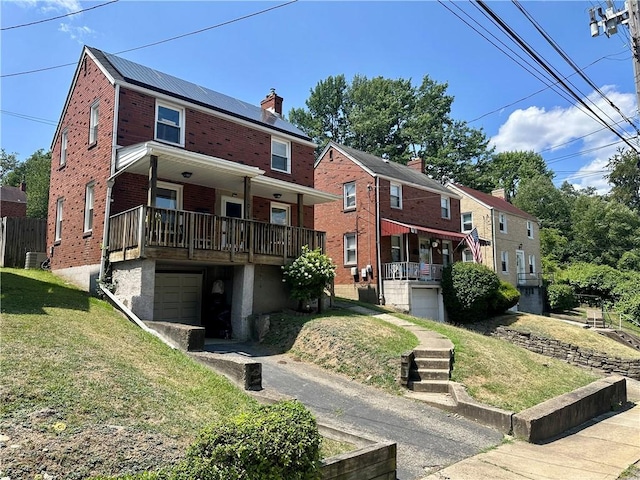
[(570, 353)]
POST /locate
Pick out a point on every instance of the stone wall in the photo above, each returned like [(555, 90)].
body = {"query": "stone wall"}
[(571, 353)]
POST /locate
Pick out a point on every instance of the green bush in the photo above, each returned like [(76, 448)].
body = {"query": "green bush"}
[(467, 290), (630, 261), (269, 443), (506, 297), (309, 275), (561, 297), (630, 305), (591, 279)]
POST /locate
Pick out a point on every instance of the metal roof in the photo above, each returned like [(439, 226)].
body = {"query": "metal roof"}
[(176, 87)]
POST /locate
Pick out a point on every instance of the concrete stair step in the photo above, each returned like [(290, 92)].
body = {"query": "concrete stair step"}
[(429, 374), (432, 386), (432, 353), (433, 363)]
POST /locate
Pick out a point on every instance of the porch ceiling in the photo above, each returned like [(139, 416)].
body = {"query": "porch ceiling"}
[(212, 172)]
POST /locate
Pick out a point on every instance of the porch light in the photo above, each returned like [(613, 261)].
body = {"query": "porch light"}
[(435, 244), (187, 174), (277, 195)]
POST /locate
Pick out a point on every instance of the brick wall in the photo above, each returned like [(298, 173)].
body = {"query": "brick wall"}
[(13, 209), (85, 163)]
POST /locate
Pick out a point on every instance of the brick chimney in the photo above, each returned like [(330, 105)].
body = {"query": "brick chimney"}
[(417, 164), (499, 192), (272, 103), (23, 186)]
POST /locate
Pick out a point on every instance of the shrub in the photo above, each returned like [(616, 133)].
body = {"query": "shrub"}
[(591, 279), (467, 290), (309, 275), (268, 443), (630, 305), (506, 297), (630, 260), (561, 297)]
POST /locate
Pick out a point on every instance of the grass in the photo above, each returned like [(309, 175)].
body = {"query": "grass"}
[(64, 351), (363, 348), (575, 335)]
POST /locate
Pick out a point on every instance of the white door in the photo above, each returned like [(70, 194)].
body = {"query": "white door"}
[(520, 267), (424, 303), (178, 298)]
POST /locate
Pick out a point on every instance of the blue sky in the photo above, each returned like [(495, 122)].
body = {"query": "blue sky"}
[(293, 47)]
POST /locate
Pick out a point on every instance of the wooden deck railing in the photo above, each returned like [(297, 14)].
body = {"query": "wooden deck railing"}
[(412, 271), (143, 227)]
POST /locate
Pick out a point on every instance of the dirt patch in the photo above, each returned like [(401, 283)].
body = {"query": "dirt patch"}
[(41, 446)]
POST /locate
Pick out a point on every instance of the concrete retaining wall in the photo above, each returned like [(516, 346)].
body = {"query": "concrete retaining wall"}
[(570, 353), (487, 415), (185, 337), (559, 414), (373, 462), (242, 371)]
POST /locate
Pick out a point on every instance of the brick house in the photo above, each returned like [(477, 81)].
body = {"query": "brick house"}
[(13, 201), (514, 248), (393, 232), (177, 193)]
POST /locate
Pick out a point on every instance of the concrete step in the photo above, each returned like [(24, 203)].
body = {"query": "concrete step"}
[(433, 363), (432, 353), (432, 386), (429, 374)]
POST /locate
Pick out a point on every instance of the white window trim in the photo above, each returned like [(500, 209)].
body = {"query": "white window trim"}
[(173, 186), (345, 197), (355, 249), (287, 145), (502, 216), (462, 222), (504, 256), (180, 110), (59, 218), (282, 206), (530, 229), (223, 205), (398, 247), (89, 197), (64, 144), (94, 122), (391, 185), (448, 200), (532, 265), (467, 256)]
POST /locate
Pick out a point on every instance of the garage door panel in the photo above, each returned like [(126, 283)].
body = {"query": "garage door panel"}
[(424, 303), (178, 297)]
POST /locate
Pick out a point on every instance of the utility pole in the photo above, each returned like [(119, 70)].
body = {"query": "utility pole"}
[(608, 23)]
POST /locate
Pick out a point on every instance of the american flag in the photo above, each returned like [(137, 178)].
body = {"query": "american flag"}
[(473, 242)]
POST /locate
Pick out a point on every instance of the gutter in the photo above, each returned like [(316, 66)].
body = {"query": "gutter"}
[(133, 317)]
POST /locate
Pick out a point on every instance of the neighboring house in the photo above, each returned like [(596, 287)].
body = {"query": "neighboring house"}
[(13, 201), (393, 232), (514, 250), (185, 199)]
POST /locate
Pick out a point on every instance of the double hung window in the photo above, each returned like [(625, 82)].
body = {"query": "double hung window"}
[(93, 124), (169, 123), (280, 159)]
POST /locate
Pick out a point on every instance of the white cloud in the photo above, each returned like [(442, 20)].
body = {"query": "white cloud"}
[(569, 128), (65, 6), (76, 33)]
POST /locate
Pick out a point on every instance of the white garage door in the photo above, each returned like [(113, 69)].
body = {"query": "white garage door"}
[(178, 298), (424, 303)]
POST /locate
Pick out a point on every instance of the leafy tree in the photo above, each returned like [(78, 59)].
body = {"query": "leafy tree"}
[(394, 119), (508, 169), (625, 178), (35, 172), (539, 197)]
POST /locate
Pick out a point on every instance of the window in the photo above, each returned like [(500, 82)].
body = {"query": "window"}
[(396, 195), (169, 124), (396, 252), (504, 258), (88, 207), (349, 194), (467, 221), (93, 124), (444, 207), (532, 264), (467, 256), (502, 220), (168, 195), (232, 207), (529, 229), (350, 249), (280, 213), (280, 156), (64, 141), (59, 205)]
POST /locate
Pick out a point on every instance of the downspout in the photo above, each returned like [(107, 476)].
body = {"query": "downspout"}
[(493, 241), (380, 282), (110, 183)]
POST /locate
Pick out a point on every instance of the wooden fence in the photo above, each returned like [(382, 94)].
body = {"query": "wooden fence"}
[(19, 235)]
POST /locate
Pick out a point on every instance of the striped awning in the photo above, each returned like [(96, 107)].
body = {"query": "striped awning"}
[(391, 227)]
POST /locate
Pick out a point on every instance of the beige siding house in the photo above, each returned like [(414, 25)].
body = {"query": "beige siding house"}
[(513, 237)]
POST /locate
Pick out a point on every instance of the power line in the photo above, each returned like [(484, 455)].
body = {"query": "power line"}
[(244, 17), (59, 16)]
